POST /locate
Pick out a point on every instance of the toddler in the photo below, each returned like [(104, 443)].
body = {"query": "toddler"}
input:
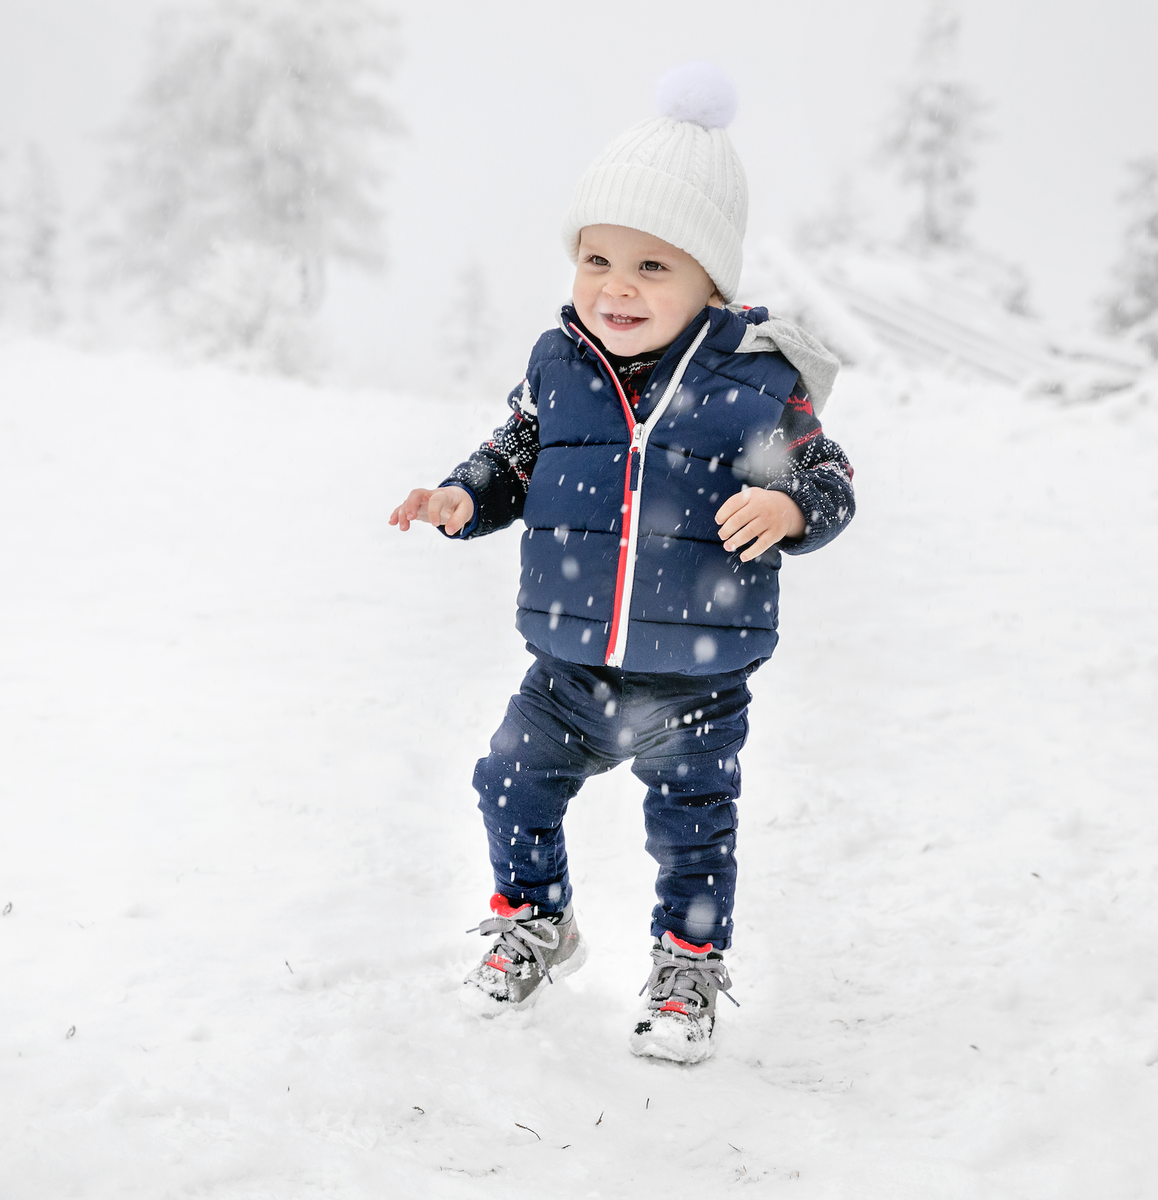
[(663, 451)]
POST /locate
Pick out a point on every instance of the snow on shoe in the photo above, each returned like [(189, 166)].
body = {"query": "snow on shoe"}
[(681, 1001), (528, 950)]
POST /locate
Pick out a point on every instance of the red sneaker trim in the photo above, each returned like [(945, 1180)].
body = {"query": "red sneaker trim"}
[(502, 907), (674, 1006), (688, 946), (497, 961)]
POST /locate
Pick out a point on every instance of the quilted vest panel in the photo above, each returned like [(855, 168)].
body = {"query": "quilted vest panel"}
[(694, 608)]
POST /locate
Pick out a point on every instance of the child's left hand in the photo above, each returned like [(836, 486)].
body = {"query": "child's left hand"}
[(755, 513)]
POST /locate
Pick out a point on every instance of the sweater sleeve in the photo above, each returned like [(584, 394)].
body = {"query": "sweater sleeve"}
[(498, 473), (815, 472)]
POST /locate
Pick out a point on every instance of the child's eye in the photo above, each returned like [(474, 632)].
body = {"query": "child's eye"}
[(651, 265), (597, 260)]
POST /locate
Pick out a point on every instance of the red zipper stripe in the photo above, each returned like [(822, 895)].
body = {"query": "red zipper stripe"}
[(614, 378), (628, 496), (621, 572)]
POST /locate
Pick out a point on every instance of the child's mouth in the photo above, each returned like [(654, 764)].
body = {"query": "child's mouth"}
[(622, 321)]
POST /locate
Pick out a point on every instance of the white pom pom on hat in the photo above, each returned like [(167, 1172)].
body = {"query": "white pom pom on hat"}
[(676, 176), (697, 91)]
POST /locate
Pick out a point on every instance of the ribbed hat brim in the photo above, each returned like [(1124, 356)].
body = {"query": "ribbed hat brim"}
[(641, 197)]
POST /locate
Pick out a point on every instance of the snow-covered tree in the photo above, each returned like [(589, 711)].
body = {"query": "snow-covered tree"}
[(933, 134), (36, 225), (5, 237), (29, 236), (1132, 306), (470, 355), (252, 157)]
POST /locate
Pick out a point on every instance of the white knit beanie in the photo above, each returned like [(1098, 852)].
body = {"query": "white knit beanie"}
[(676, 177)]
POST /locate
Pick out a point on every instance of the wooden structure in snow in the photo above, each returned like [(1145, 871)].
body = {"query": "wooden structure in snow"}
[(879, 306)]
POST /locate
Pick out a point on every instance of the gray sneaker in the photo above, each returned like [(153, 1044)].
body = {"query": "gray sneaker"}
[(681, 1001), (528, 949)]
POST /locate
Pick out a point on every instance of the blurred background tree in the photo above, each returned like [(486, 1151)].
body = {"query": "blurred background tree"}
[(253, 155), (1132, 306), (933, 133), (470, 354), (30, 220), (930, 141)]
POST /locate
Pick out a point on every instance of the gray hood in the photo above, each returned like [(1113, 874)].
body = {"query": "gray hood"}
[(816, 363)]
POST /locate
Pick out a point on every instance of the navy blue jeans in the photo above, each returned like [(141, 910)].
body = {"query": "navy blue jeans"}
[(683, 733)]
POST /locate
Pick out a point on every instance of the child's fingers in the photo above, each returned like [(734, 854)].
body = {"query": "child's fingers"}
[(455, 516), (752, 529), (439, 508), (455, 508), (450, 507), (743, 514), (401, 517), (731, 506), (463, 513), (413, 508), (759, 546)]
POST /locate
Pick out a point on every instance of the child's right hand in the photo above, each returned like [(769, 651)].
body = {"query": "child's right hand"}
[(451, 507)]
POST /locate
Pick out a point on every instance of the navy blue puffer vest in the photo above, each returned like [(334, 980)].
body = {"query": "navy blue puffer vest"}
[(621, 561)]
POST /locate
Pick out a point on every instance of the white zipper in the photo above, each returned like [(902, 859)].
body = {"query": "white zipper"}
[(639, 436)]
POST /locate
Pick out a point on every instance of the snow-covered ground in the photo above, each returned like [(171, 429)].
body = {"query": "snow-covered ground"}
[(238, 717)]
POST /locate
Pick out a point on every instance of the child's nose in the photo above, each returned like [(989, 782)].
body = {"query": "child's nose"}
[(616, 284)]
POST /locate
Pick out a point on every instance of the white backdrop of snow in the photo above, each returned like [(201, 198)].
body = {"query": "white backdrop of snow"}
[(238, 716)]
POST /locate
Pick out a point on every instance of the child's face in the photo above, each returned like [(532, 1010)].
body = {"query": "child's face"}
[(636, 292)]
